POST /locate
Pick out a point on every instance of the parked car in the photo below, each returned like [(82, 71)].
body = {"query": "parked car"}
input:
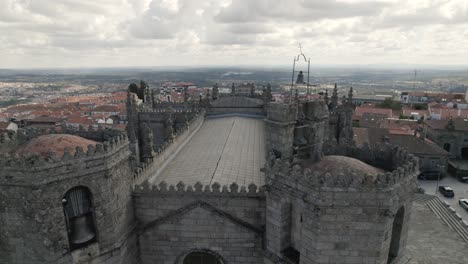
[(446, 191), (463, 203), (463, 178), (430, 175)]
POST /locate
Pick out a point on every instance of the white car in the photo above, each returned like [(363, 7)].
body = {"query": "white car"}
[(463, 203)]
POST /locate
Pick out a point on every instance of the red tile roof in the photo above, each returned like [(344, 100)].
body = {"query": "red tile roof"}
[(107, 108), (55, 142), (361, 110)]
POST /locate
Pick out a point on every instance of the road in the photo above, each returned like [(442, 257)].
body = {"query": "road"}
[(459, 188)]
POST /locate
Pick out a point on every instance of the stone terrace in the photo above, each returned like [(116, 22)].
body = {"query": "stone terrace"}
[(430, 240), (224, 150)]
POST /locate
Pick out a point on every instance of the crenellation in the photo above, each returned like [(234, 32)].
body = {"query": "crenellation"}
[(198, 188), (91, 150)]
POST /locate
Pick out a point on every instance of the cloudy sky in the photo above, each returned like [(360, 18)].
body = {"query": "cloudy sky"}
[(106, 33)]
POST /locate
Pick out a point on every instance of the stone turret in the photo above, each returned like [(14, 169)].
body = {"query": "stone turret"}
[(312, 126), (340, 208), (333, 209), (70, 205), (280, 123)]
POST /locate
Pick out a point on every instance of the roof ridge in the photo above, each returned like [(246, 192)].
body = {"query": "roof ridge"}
[(200, 204)]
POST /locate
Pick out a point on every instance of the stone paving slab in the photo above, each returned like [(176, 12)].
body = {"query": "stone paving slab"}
[(431, 241), (224, 150)]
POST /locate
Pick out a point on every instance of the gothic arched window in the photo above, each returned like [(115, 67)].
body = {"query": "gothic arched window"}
[(79, 217)]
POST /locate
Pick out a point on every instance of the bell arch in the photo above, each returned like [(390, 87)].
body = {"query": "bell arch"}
[(79, 217), (200, 256), (397, 228)]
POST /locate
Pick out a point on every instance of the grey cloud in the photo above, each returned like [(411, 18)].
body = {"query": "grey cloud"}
[(250, 28), (338, 28), (295, 10)]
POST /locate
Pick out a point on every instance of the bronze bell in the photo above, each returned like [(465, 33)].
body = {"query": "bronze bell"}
[(82, 232)]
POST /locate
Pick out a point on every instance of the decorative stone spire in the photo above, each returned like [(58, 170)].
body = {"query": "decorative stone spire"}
[(334, 97), (147, 143), (215, 91), (148, 98), (186, 96), (169, 124), (326, 97), (130, 113), (233, 89), (267, 94), (350, 95)]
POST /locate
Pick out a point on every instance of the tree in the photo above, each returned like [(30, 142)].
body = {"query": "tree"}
[(420, 106), (139, 91), (389, 103), (133, 88)]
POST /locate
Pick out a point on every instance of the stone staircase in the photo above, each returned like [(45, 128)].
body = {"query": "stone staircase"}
[(445, 212), (423, 198)]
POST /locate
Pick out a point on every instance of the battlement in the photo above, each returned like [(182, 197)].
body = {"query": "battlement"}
[(168, 148), (406, 169), (163, 110), (100, 133), (170, 103), (199, 189), (36, 169)]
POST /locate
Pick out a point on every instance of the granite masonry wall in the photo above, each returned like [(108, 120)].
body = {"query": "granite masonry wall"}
[(343, 218), (177, 220), (32, 222)]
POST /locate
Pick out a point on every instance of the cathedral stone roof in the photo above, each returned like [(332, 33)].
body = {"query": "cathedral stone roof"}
[(341, 164), (224, 150), (53, 142)]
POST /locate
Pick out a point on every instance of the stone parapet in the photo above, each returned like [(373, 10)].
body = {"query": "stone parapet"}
[(163, 188), (152, 165), (406, 169), (164, 110), (35, 169)]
